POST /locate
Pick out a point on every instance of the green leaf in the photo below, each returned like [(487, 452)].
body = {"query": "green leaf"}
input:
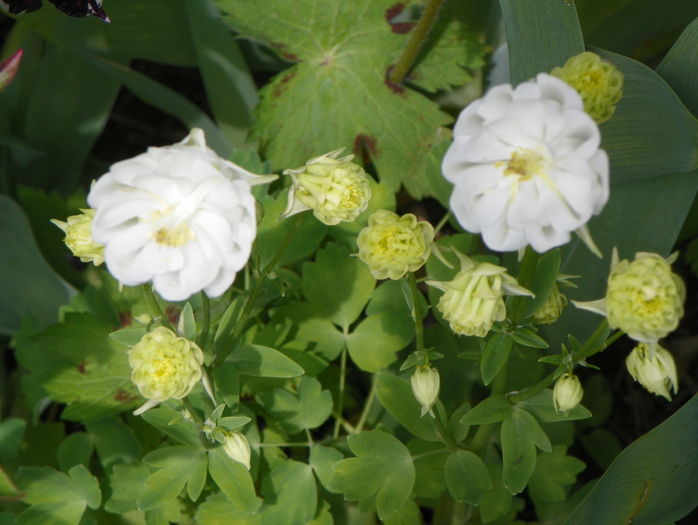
[(262, 361), (186, 325), (176, 467), (7, 486), (29, 285), (547, 271), (75, 449), (554, 471), (541, 34), (11, 432), (449, 52), (337, 285), (497, 501), (126, 481), (290, 495), (520, 436), (527, 337), (395, 394), (322, 459), (309, 408), (652, 480), (218, 510), (234, 480), (491, 410), (382, 469), (429, 459), (374, 343), (338, 88), (602, 446), (494, 355), (129, 336), (52, 493), (679, 63), (77, 363), (227, 380), (230, 89), (183, 430), (467, 477), (541, 405)]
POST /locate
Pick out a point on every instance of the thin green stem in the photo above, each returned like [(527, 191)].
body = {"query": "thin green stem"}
[(428, 453), (340, 400), (192, 411), (205, 321), (367, 406), (256, 289), (297, 444), (154, 306), (443, 432), (442, 222), (484, 432), (418, 37), (310, 437), (417, 310)]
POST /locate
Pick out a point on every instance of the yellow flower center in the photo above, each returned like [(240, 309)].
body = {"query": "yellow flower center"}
[(163, 369), (352, 198), (177, 236), (526, 163)]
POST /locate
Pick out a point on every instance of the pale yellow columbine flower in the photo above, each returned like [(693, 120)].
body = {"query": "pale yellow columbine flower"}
[(164, 366), (474, 299), (597, 81), (238, 448), (78, 237), (567, 393), (392, 245), (653, 367), (336, 189), (425, 382), (644, 298)]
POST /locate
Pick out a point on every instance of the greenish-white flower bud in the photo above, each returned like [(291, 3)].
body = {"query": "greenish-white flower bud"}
[(597, 81), (78, 237), (567, 393), (238, 448), (552, 308), (425, 383), (653, 367), (392, 245), (336, 189), (644, 297), (164, 366)]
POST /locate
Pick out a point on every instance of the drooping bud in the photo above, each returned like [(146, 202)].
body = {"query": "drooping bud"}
[(78, 237), (567, 393), (238, 448), (425, 383), (552, 308), (392, 245), (336, 189), (164, 366), (474, 299), (597, 81), (653, 367)]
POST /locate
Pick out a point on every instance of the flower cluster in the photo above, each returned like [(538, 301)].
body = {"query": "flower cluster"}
[(526, 166), (597, 81), (474, 299), (179, 216), (392, 245), (335, 188), (164, 366)]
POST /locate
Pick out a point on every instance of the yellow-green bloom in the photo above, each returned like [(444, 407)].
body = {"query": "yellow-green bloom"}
[(238, 448), (552, 308), (644, 298), (335, 188), (425, 382), (597, 81), (164, 366), (474, 299), (78, 237), (567, 393), (653, 367), (392, 245)]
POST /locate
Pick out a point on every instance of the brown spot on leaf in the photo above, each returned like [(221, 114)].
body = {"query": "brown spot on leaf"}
[(125, 318), (364, 147), (278, 46), (281, 85), (397, 27), (172, 314), (82, 367), (124, 397), (395, 88)]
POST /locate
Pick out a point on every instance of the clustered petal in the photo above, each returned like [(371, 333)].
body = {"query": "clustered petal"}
[(164, 366), (336, 189), (179, 216), (392, 245), (653, 367), (78, 237), (526, 165), (551, 309)]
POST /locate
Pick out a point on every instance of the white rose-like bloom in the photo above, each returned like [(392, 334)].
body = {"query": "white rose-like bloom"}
[(526, 165), (179, 216)]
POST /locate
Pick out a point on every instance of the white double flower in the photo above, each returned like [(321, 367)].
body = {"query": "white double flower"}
[(179, 216), (526, 166)]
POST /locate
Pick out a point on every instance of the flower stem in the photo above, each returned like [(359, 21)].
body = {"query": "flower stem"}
[(297, 444), (192, 411), (367, 406), (205, 321), (442, 430), (419, 35), (417, 311), (154, 306), (484, 432), (340, 400)]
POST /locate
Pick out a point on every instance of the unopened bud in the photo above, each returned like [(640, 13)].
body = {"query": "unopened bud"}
[(238, 448), (78, 237), (653, 367), (425, 383), (567, 393)]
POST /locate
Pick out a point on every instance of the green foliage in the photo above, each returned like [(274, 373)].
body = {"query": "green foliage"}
[(175, 467), (290, 495), (520, 436), (308, 408), (258, 360), (467, 477)]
